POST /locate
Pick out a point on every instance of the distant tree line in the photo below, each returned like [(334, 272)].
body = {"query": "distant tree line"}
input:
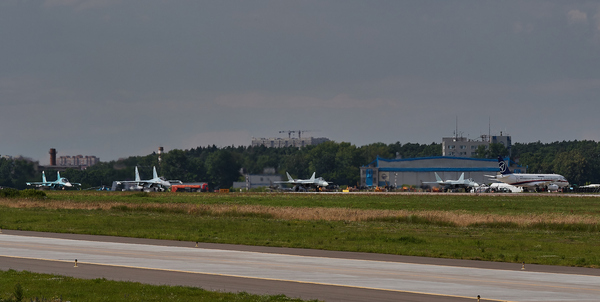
[(578, 161), (220, 167)]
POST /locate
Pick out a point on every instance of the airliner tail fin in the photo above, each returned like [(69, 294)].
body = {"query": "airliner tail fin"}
[(503, 166)]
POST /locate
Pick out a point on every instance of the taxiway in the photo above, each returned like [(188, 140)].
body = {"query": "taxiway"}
[(308, 274)]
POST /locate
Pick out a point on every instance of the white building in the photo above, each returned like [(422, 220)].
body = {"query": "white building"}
[(464, 147), (257, 181), (287, 142)]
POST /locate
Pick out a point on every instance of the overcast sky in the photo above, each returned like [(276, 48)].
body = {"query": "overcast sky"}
[(116, 78)]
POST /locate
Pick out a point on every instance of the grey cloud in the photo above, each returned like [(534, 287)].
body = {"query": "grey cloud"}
[(576, 16), (121, 77)]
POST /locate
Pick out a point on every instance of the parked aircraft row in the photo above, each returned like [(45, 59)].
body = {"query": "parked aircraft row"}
[(514, 182), (461, 182), (155, 184), (551, 182)]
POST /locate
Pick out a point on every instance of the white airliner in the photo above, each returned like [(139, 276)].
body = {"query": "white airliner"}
[(304, 184), (528, 180)]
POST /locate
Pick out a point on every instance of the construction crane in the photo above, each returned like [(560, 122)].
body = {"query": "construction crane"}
[(289, 132)]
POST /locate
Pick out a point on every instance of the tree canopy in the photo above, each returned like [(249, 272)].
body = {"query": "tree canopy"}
[(578, 161)]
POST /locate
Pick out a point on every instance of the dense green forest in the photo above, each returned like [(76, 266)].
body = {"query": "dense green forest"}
[(15, 173), (578, 161)]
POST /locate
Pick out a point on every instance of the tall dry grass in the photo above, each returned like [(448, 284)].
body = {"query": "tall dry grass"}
[(457, 218)]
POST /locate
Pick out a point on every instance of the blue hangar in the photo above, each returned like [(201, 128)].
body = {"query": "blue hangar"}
[(414, 171)]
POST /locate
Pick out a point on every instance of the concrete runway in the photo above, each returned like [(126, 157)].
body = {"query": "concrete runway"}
[(308, 274)]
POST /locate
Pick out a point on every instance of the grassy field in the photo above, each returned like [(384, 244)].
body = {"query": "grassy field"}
[(54, 288), (535, 228)]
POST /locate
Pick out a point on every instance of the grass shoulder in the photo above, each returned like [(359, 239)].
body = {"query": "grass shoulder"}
[(26, 286), (490, 228)]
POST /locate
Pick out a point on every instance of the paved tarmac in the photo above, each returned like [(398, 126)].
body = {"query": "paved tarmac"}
[(308, 274)]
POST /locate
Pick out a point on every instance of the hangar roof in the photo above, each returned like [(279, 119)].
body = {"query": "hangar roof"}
[(436, 163)]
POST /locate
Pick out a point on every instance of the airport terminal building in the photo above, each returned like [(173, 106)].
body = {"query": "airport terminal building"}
[(414, 171)]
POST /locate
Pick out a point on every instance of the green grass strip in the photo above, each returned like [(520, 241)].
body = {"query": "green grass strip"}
[(507, 204), (539, 244), (55, 288)]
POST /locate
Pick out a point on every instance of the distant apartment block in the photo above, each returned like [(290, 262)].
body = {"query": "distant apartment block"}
[(78, 160), (287, 142), (464, 147)]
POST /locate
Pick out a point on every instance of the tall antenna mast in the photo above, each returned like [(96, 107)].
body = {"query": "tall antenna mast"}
[(489, 129), (456, 131)]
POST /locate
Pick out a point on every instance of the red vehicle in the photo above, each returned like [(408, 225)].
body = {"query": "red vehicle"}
[(191, 187)]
